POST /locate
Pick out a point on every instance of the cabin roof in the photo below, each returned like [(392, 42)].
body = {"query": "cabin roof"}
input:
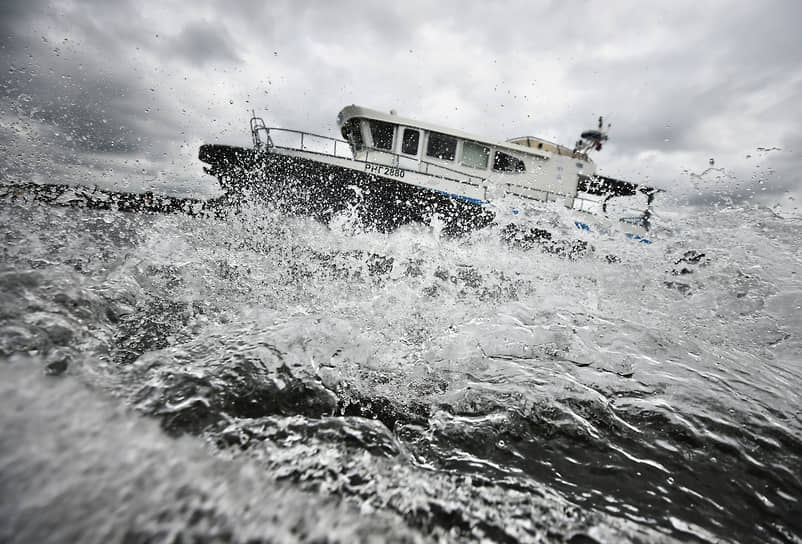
[(358, 112)]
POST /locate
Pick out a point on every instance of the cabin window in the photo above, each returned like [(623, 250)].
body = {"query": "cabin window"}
[(441, 146), (503, 162), (409, 143), (353, 133), (475, 155), (382, 134)]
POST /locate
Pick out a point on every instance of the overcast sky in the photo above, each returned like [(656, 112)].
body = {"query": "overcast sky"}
[(122, 93)]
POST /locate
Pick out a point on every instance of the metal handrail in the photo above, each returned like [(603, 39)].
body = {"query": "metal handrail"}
[(479, 179), (257, 127), (301, 133), (585, 204), (561, 149), (550, 196), (582, 201)]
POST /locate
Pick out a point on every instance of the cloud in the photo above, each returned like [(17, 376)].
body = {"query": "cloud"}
[(202, 42), (146, 80)]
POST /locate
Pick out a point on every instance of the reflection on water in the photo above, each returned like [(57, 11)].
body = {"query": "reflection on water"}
[(271, 379)]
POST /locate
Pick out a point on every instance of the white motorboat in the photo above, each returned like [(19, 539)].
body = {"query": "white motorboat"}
[(393, 170)]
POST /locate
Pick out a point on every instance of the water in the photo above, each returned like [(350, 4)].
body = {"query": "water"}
[(261, 379)]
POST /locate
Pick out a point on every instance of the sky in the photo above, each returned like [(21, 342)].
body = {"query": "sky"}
[(121, 93)]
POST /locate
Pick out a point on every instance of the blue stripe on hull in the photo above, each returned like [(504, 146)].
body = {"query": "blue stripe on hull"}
[(465, 198), (640, 239), (631, 236)]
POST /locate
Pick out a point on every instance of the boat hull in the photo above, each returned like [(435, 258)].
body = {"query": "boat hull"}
[(303, 186)]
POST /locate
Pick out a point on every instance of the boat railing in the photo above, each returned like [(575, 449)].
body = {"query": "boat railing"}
[(534, 193), (257, 129), (552, 146), (303, 141), (595, 204), (428, 167), (326, 145), (585, 203)]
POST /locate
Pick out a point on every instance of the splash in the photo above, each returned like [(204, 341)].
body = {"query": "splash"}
[(409, 384)]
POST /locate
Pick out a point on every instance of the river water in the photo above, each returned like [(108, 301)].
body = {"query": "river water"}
[(271, 379)]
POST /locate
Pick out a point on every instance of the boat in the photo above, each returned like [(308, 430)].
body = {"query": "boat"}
[(389, 170)]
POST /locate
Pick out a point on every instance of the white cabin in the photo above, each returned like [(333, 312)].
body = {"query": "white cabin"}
[(527, 167)]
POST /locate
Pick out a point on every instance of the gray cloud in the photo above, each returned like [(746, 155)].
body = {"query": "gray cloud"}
[(149, 81), (202, 42)]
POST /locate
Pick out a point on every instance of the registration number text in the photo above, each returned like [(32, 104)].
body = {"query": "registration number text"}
[(384, 170)]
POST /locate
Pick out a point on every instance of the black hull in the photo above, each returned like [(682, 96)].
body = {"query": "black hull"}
[(302, 186), (295, 186)]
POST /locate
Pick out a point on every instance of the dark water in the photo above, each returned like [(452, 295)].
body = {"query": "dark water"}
[(264, 379)]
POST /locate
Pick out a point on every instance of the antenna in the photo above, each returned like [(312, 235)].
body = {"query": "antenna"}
[(592, 139)]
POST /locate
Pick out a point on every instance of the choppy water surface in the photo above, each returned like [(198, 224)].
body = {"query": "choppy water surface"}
[(270, 379)]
